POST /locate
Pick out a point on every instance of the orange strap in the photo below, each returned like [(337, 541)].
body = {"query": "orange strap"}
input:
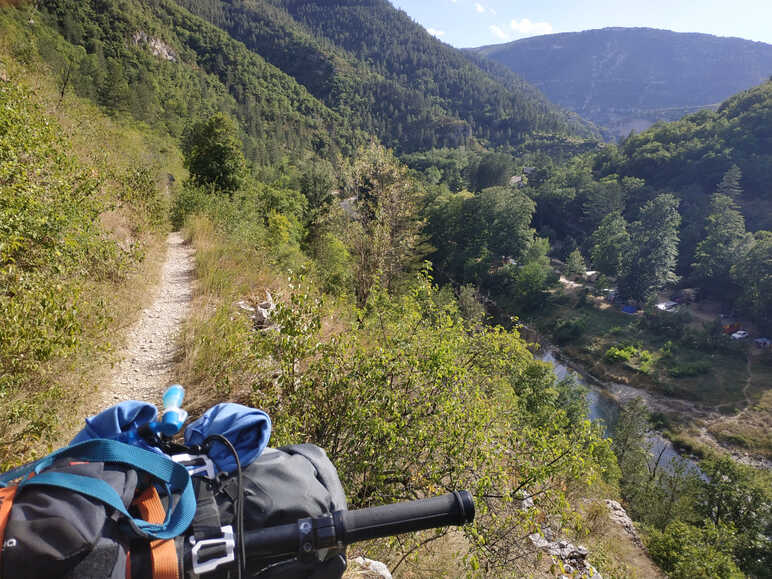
[(163, 553), (6, 502)]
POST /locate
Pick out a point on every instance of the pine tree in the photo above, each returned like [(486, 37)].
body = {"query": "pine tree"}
[(730, 183), (655, 246), (724, 243), (575, 265)]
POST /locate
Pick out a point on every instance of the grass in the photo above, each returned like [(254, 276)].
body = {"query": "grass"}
[(612, 550), (752, 428), (216, 363)]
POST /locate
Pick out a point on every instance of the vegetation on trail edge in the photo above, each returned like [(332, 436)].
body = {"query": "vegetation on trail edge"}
[(75, 226)]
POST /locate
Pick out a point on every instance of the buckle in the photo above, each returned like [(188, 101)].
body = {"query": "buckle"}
[(224, 552), (197, 464)]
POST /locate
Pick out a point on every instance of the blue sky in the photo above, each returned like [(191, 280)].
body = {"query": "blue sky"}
[(464, 23)]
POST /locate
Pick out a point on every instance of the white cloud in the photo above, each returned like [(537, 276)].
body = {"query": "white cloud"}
[(435, 32), (499, 33), (525, 26), (479, 7), (492, 11)]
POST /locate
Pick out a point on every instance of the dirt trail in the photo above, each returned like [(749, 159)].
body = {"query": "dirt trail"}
[(145, 369)]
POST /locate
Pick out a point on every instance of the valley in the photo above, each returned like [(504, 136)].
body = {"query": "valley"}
[(420, 217)]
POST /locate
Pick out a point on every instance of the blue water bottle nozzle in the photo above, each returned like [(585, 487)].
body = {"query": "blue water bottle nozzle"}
[(173, 416)]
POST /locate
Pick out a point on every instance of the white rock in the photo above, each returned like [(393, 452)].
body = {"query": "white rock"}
[(368, 568)]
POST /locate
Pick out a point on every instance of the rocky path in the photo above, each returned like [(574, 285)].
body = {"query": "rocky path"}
[(145, 369)]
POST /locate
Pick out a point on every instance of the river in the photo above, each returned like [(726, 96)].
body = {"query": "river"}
[(603, 404)]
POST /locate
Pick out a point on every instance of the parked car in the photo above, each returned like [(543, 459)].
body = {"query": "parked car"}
[(740, 335)]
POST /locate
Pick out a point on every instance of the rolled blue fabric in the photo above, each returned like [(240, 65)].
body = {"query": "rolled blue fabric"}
[(247, 429), (119, 422)]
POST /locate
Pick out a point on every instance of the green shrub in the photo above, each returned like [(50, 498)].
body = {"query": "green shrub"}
[(188, 201), (566, 331), (635, 357), (59, 266), (688, 552), (690, 369), (614, 354)]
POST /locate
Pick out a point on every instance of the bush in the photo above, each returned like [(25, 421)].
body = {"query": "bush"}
[(614, 354), (566, 331), (409, 401), (636, 358), (689, 369), (190, 200), (688, 552)]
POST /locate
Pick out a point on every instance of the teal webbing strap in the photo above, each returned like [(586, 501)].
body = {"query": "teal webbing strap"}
[(174, 476)]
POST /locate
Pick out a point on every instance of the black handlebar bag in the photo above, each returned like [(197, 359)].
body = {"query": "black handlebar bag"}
[(280, 487)]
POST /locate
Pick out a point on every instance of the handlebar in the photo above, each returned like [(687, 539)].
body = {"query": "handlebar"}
[(451, 509), (337, 530), (346, 527)]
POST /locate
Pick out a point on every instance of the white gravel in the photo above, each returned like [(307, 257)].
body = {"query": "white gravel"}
[(146, 368)]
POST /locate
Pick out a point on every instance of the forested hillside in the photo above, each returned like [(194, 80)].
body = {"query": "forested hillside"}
[(712, 169), (164, 66), (628, 78), (371, 63)]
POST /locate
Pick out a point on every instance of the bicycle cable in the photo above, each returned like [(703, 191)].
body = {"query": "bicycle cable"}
[(241, 554)]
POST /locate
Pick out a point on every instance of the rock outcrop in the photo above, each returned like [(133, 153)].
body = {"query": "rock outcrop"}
[(157, 46), (618, 515), (260, 312), (570, 559)]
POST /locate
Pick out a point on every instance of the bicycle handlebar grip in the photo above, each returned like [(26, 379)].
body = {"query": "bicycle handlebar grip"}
[(455, 508)]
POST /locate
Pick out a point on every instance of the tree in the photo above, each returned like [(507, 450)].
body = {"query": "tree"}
[(629, 440), (317, 183), (724, 243), (603, 198), (731, 495), (611, 245), (114, 92), (575, 265), (492, 170), (687, 552), (384, 235), (654, 240), (410, 400), (508, 212), (753, 273), (213, 154), (730, 183)]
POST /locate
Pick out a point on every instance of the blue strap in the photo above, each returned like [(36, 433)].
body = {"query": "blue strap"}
[(174, 476)]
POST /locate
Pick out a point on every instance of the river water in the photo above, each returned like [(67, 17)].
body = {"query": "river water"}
[(603, 405)]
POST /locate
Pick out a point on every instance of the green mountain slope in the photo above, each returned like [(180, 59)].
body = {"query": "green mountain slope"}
[(628, 78), (164, 66), (700, 148), (374, 65)]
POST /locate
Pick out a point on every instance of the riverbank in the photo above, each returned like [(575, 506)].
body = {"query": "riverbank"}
[(676, 421)]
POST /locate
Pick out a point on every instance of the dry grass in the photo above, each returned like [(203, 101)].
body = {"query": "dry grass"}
[(215, 339), (612, 550), (750, 429)]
